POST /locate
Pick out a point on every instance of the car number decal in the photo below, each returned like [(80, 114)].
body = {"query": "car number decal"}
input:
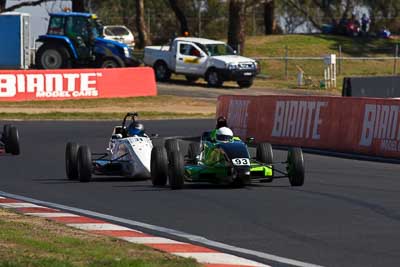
[(241, 162)]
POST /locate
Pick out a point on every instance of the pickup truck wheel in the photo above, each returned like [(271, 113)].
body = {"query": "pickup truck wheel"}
[(191, 79), (214, 79), (245, 84), (52, 57), (162, 72)]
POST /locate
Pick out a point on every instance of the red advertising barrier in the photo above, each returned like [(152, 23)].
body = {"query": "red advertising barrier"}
[(24, 85), (362, 125)]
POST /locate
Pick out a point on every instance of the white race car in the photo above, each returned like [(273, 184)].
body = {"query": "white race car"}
[(128, 154)]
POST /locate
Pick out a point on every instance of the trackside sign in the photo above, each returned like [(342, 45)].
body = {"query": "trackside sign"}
[(75, 84), (361, 125)]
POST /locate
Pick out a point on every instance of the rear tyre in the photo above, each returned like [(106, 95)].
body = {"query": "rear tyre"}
[(159, 166), (84, 164), (71, 160), (176, 172), (295, 166), (12, 143), (163, 74), (6, 132), (50, 56), (264, 153), (193, 152), (172, 145), (245, 84), (214, 78)]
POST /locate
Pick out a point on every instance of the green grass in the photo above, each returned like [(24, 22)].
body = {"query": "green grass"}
[(99, 115), (317, 46), (37, 242)]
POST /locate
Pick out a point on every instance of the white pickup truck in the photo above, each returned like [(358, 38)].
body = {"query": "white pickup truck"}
[(195, 58)]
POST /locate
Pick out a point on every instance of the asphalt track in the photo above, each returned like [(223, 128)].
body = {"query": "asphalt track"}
[(346, 214)]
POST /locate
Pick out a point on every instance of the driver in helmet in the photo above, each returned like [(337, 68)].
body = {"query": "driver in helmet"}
[(223, 134), (221, 122), (136, 129)]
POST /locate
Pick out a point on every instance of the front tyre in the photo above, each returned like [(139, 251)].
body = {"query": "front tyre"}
[(159, 166), (214, 78), (71, 160), (172, 145), (51, 56), (295, 166), (193, 152), (245, 84), (264, 153), (84, 164), (176, 172)]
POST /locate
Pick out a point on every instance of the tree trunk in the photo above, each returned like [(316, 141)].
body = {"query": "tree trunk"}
[(236, 27), (2, 5), (269, 17), (141, 25), (180, 16), (78, 6)]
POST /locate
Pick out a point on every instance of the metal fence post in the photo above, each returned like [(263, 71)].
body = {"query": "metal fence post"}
[(286, 62), (396, 54), (340, 60)]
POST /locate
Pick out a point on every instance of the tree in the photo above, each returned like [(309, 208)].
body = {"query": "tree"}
[(269, 17), (78, 6), (3, 4), (141, 25), (180, 16), (236, 25)]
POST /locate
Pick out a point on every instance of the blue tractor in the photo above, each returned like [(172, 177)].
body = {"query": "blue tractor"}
[(74, 40)]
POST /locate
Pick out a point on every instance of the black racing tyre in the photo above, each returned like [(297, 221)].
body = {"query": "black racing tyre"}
[(6, 132), (214, 78), (191, 79), (193, 152), (71, 160), (264, 153), (176, 172), (12, 142), (172, 145), (84, 164), (108, 63), (52, 56), (245, 84), (295, 166), (159, 166), (162, 72)]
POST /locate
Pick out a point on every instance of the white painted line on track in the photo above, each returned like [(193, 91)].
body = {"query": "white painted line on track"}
[(218, 258), (19, 205), (151, 240), (51, 214), (195, 238), (97, 226)]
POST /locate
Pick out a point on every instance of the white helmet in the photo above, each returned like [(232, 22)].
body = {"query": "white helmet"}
[(224, 134)]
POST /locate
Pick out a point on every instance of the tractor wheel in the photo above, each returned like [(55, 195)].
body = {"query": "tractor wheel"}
[(108, 63), (213, 78), (159, 166), (163, 74), (84, 164), (172, 145), (245, 84), (193, 152), (295, 166), (50, 56), (264, 153), (71, 160), (12, 143), (176, 172)]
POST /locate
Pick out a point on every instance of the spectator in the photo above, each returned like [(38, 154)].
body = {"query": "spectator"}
[(365, 21)]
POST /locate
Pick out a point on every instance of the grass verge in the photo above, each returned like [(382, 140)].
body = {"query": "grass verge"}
[(30, 241)]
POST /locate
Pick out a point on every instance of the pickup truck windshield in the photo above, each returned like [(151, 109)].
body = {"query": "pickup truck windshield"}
[(217, 49)]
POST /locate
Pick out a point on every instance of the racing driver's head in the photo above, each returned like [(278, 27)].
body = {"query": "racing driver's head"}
[(224, 134), (136, 128), (221, 122)]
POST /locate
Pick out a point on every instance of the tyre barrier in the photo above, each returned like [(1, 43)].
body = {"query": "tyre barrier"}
[(369, 126), (22, 85), (385, 87)]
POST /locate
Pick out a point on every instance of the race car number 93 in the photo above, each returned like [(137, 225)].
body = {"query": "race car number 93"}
[(241, 162)]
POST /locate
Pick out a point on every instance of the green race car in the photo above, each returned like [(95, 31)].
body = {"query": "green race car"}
[(222, 162)]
